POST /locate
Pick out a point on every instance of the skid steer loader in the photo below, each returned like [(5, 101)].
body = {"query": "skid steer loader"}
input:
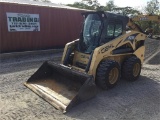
[(104, 52)]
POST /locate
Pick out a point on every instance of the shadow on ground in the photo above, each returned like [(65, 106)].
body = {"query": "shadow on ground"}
[(128, 100)]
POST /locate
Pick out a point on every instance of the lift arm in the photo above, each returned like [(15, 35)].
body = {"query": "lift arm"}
[(132, 25)]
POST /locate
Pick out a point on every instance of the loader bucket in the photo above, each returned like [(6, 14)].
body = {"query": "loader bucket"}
[(61, 86)]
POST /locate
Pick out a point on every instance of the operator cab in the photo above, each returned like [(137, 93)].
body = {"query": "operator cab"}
[(100, 28)]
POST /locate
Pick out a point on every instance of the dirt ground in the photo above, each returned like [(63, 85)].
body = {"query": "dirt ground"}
[(139, 100)]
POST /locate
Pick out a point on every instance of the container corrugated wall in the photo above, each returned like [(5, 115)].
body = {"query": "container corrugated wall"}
[(57, 27)]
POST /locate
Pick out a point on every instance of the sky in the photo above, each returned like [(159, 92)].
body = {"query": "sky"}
[(120, 3)]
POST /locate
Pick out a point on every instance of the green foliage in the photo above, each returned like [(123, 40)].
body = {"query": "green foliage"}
[(79, 5), (48, 1), (109, 6), (126, 11), (151, 25), (152, 7), (87, 4)]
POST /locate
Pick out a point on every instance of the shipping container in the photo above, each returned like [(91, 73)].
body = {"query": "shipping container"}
[(58, 25)]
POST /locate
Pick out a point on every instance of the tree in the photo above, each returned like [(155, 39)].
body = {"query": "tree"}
[(92, 3), (86, 4), (109, 6), (79, 5), (128, 11), (48, 1), (152, 7)]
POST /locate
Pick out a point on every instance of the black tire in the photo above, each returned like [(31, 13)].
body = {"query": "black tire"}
[(103, 72), (128, 68)]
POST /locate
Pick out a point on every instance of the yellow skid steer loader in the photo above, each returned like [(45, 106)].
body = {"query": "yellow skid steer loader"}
[(104, 52)]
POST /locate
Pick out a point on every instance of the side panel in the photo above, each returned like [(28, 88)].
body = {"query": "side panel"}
[(140, 53), (105, 50)]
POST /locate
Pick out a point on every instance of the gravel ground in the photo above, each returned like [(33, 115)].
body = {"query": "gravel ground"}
[(151, 47), (139, 100)]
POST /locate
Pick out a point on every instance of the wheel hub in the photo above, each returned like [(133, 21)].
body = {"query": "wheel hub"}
[(136, 69), (113, 75)]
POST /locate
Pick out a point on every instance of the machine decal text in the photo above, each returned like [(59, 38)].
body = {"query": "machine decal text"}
[(107, 48)]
